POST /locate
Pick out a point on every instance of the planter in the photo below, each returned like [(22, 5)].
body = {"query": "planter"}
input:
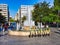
[(19, 33), (30, 33)]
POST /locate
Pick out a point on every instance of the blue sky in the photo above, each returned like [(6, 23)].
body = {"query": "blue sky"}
[(14, 5)]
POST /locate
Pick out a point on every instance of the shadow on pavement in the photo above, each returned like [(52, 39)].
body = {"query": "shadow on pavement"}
[(57, 32), (1, 35)]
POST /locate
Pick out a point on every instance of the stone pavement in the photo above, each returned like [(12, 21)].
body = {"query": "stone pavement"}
[(53, 39)]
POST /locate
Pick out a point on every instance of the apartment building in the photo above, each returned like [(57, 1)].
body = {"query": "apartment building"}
[(26, 10), (17, 16), (4, 11)]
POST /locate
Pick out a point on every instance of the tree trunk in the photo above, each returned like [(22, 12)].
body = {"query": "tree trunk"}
[(57, 26)]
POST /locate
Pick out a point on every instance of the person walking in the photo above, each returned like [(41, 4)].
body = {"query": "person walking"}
[(5, 27)]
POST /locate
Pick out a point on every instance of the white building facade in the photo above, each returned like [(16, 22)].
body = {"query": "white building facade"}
[(26, 10), (17, 16), (4, 11)]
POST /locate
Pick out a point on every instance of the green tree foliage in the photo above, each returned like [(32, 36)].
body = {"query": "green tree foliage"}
[(23, 18), (2, 18), (57, 9), (57, 4), (48, 14), (40, 9), (44, 8), (11, 20), (35, 13)]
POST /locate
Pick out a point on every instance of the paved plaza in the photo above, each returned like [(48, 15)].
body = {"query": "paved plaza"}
[(53, 39)]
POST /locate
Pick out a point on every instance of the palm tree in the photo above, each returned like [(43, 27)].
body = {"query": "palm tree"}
[(23, 19)]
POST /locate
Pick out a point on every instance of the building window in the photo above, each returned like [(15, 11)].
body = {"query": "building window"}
[(4, 5), (4, 13), (5, 9), (23, 10), (0, 9)]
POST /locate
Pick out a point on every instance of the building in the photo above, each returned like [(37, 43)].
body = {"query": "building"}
[(17, 16), (4, 10), (26, 10), (17, 19)]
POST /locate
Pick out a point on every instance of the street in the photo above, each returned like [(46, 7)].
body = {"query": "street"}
[(53, 39)]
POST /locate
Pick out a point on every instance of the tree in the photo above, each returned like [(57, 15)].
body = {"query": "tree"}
[(2, 18), (57, 4), (23, 19), (48, 14), (40, 9), (11, 20), (57, 9)]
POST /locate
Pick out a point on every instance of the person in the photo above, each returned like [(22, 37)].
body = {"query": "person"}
[(0, 26), (5, 27)]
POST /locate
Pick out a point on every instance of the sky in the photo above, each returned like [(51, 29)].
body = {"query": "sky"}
[(14, 5)]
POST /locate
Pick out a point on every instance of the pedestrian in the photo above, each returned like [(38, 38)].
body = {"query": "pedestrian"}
[(3, 27), (6, 27)]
